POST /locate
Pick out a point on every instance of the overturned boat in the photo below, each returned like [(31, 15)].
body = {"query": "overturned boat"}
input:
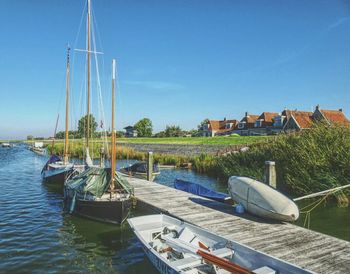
[(139, 170), (262, 200), (202, 191), (174, 246)]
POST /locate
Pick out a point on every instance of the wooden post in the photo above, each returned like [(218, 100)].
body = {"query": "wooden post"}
[(150, 166), (270, 174)]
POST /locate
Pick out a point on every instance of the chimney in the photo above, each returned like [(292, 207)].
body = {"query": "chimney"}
[(246, 114), (317, 107), (224, 118), (341, 110)]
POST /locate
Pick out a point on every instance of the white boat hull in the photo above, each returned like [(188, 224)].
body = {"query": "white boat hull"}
[(186, 239), (262, 200)]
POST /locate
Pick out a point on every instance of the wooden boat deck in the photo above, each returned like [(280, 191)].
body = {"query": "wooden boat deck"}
[(314, 251)]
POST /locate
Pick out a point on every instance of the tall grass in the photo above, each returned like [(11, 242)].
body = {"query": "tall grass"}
[(311, 161), (307, 162)]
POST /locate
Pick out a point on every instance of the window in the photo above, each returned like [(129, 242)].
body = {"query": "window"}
[(258, 123), (241, 125), (229, 125), (278, 121)]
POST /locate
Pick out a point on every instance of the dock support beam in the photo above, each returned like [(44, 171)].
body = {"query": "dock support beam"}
[(150, 166), (270, 174)]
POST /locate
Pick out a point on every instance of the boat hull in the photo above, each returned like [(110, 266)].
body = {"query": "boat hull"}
[(262, 200), (148, 227), (115, 212), (56, 177), (157, 262)]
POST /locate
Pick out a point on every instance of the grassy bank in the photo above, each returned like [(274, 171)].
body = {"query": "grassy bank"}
[(306, 162), (228, 140), (315, 160)]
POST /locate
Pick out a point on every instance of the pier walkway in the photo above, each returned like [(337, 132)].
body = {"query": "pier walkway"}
[(314, 251)]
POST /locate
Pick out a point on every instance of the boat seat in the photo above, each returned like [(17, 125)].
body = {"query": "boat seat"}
[(264, 270), (223, 252), (187, 262), (149, 226)]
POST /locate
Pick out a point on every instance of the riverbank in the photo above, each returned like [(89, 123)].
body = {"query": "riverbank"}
[(307, 162)]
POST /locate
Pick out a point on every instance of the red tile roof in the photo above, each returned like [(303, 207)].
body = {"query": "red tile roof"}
[(268, 116), (220, 125), (334, 116), (303, 118)]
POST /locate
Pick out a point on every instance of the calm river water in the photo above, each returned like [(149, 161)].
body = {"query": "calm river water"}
[(36, 236)]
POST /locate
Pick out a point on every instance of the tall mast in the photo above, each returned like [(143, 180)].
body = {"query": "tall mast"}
[(88, 74), (113, 154), (65, 159)]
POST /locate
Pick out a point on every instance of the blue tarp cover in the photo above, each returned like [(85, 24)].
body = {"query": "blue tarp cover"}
[(200, 190), (53, 159)]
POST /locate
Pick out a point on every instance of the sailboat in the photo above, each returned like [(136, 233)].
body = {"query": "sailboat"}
[(56, 170), (100, 193)]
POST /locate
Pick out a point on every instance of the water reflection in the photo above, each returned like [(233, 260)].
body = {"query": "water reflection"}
[(36, 236)]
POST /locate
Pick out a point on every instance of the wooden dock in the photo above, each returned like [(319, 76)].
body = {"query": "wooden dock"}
[(314, 251)]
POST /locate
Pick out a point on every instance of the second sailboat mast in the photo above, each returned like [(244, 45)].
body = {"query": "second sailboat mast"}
[(65, 159), (113, 154), (88, 74)]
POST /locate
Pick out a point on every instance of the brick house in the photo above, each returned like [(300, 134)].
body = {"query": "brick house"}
[(296, 120), (330, 116), (264, 124), (219, 127), (246, 124)]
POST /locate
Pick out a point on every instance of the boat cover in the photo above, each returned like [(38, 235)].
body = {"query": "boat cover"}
[(53, 159), (141, 167), (95, 180), (200, 190)]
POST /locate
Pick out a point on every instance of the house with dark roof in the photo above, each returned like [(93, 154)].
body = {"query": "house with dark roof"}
[(246, 123), (130, 131), (219, 127)]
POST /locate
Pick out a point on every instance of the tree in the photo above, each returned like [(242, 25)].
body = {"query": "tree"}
[(30, 137), (160, 134), (203, 123), (82, 125), (144, 128), (173, 131)]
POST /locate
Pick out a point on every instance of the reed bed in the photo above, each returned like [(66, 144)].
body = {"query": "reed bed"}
[(311, 161), (306, 162)]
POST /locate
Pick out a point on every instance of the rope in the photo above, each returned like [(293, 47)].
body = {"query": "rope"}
[(309, 208)]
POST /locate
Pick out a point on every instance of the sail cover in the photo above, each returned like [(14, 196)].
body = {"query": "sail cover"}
[(95, 180)]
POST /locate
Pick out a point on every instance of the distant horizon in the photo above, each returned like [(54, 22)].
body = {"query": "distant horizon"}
[(178, 62), (195, 127)]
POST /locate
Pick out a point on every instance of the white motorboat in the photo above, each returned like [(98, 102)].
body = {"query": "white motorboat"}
[(262, 200), (174, 246)]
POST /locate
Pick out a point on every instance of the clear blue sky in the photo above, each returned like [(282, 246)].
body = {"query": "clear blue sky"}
[(178, 61)]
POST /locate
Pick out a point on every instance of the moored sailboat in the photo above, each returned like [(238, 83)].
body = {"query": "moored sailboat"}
[(56, 170), (100, 193)]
